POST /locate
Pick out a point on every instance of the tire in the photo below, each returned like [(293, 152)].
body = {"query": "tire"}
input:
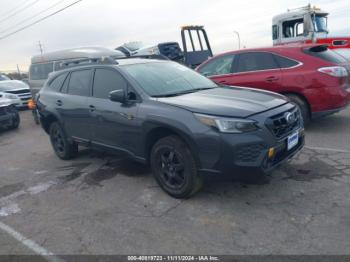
[(174, 167), (62, 147), (303, 107), (15, 121)]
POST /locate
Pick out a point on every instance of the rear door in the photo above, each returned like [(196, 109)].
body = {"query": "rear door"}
[(73, 107), (257, 70), (113, 124)]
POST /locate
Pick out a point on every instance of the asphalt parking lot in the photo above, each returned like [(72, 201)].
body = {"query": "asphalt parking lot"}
[(103, 204)]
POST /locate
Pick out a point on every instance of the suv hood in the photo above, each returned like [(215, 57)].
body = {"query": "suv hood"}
[(231, 102), (9, 85)]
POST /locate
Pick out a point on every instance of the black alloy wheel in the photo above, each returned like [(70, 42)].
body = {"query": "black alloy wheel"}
[(174, 167), (62, 147)]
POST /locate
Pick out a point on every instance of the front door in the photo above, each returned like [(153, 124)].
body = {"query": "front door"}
[(113, 124)]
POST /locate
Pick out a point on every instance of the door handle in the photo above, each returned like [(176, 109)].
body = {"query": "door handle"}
[(271, 79), (59, 103), (92, 108), (223, 82)]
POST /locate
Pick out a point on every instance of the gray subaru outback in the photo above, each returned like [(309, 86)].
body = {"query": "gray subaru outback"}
[(167, 115)]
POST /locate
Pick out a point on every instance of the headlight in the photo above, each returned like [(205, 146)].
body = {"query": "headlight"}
[(228, 125), (10, 96)]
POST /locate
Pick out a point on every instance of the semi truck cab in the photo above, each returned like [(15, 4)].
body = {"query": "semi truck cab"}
[(305, 25)]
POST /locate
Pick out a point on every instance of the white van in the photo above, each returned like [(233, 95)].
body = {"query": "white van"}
[(42, 65)]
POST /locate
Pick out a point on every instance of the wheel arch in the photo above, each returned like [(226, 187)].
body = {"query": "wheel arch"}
[(157, 131), (301, 96), (47, 120)]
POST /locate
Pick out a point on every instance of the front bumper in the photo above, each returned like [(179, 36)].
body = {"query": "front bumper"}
[(260, 150), (254, 156)]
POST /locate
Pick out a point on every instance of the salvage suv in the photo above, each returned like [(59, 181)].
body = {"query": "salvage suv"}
[(167, 115)]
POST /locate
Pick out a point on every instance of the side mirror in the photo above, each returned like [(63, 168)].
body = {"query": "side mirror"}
[(117, 96)]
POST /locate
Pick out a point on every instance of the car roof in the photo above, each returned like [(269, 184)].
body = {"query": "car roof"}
[(76, 53), (120, 62)]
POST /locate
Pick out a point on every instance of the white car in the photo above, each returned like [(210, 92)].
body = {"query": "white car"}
[(15, 90)]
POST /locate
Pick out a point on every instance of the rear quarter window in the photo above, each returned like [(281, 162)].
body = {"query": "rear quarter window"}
[(285, 62)]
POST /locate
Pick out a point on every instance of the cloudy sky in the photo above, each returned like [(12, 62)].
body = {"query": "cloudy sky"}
[(110, 23)]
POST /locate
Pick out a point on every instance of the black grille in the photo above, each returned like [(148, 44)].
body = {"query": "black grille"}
[(279, 124), (22, 91), (249, 153)]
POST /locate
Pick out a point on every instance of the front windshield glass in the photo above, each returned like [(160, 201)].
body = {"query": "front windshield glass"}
[(167, 78), (320, 23), (3, 78)]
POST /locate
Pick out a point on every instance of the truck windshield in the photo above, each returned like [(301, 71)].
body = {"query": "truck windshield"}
[(320, 23), (161, 79)]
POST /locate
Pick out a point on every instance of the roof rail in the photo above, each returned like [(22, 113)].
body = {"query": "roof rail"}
[(158, 57), (87, 61)]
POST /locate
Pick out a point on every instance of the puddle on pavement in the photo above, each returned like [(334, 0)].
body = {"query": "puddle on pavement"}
[(113, 168), (109, 170), (76, 171), (314, 169), (9, 189)]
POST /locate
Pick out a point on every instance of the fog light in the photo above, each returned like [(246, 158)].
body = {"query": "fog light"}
[(271, 152)]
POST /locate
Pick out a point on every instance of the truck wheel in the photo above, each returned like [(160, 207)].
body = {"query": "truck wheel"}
[(62, 147), (174, 167), (303, 107)]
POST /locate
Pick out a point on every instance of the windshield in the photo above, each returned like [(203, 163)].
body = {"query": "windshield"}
[(3, 78), (167, 78), (320, 23)]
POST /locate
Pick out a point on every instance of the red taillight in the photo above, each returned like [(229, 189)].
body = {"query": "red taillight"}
[(336, 71)]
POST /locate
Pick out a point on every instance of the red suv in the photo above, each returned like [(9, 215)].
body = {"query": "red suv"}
[(314, 77)]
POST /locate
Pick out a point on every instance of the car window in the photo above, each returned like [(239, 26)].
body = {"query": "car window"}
[(285, 62), (218, 66), (106, 81), (79, 83), (57, 83), (255, 61), (40, 71)]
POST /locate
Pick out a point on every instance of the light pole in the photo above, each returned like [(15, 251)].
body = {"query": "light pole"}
[(239, 39)]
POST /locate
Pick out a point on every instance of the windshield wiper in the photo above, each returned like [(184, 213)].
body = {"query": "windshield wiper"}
[(184, 92)]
